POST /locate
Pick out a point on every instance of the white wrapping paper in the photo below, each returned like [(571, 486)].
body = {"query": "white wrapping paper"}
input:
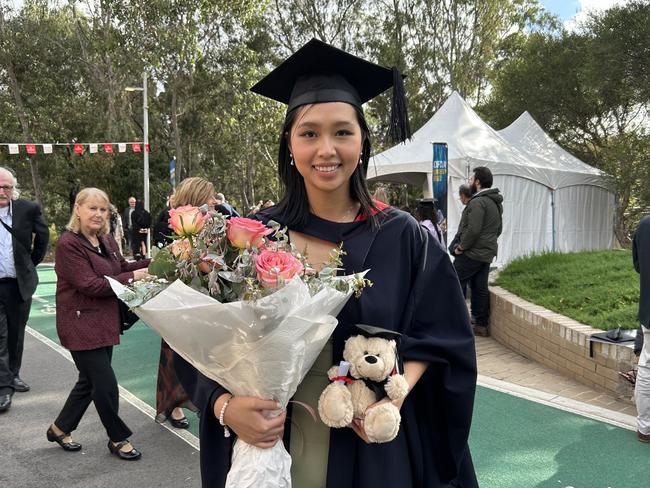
[(263, 349)]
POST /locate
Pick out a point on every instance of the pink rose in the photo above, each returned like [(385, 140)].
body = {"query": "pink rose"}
[(274, 266), (181, 248), (244, 233), (187, 220)]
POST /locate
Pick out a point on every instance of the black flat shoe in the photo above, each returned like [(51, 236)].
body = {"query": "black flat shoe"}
[(19, 385), (180, 423), (67, 446), (5, 402), (131, 455)]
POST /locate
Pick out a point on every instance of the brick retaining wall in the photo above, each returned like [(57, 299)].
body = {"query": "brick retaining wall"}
[(559, 342)]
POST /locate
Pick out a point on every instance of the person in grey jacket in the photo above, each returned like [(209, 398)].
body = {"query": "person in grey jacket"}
[(479, 230)]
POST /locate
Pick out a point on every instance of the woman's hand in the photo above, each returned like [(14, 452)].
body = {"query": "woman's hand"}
[(248, 418), (413, 371), (140, 274), (357, 424)]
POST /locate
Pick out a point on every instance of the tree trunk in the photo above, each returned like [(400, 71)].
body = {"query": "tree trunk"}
[(24, 124), (177, 136)]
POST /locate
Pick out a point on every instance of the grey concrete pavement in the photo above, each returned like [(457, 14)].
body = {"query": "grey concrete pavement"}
[(28, 460)]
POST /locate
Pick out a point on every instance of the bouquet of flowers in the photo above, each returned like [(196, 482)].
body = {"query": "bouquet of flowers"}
[(246, 310)]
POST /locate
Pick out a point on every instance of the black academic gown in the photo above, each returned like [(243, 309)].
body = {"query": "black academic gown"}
[(417, 293), (641, 260)]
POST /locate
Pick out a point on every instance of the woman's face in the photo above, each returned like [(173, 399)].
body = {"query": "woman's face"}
[(92, 214), (326, 143)]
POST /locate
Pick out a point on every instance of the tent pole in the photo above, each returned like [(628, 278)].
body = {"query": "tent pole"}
[(553, 219)]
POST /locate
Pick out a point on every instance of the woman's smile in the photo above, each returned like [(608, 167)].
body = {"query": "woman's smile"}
[(328, 169)]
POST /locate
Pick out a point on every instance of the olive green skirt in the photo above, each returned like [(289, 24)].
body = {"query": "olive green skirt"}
[(310, 439)]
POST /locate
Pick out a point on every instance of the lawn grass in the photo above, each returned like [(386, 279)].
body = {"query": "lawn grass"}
[(597, 288)]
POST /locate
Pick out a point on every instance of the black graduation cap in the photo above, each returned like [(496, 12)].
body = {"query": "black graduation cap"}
[(372, 331), (319, 73), (427, 202)]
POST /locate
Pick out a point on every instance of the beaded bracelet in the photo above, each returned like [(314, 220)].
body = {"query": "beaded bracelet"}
[(226, 430)]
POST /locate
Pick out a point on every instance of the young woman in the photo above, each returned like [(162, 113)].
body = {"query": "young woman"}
[(88, 320), (323, 158), (427, 214)]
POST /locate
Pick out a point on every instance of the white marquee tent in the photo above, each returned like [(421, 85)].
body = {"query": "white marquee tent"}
[(552, 201)]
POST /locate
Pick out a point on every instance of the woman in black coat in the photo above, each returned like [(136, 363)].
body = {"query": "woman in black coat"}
[(141, 223)]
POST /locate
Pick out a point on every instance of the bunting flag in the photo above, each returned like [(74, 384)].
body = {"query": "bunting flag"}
[(77, 148)]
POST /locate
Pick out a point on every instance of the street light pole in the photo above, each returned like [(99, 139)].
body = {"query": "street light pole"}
[(145, 143), (145, 150)]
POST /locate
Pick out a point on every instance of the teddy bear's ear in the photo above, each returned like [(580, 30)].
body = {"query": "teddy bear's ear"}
[(353, 346)]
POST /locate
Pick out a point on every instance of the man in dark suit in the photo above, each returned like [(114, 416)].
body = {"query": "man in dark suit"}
[(127, 223), (641, 260), (21, 223)]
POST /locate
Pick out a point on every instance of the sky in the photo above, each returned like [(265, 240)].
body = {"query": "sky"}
[(571, 12)]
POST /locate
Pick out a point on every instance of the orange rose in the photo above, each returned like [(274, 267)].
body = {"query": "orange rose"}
[(244, 233), (187, 220), (181, 248), (275, 266), (209, 262)]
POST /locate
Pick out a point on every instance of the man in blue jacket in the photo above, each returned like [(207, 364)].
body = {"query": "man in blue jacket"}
[(479, 230)]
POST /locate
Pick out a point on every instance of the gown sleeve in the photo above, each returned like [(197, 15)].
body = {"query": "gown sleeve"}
[(437, 330), (215, 448)]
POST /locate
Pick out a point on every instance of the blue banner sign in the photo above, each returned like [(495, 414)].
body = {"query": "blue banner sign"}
[(439, 175), (172, 173)]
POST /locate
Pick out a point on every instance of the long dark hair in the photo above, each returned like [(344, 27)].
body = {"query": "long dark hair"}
[(425, 212), (295, 204)]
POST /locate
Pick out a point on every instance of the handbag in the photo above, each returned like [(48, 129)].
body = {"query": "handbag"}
[(127, 317)]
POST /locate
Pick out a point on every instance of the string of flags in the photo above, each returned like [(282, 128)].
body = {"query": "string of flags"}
[(77, 148)]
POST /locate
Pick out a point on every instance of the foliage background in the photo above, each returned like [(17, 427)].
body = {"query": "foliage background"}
[(64, 66)]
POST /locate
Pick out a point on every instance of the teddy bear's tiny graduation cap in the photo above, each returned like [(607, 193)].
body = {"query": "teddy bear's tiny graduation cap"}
[(320, 73), (372, 331)]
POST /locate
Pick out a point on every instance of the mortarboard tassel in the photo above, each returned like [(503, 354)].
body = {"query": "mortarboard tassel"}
[(400, 129)]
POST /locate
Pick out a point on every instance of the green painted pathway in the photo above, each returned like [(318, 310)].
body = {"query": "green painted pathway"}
[(515, 443)]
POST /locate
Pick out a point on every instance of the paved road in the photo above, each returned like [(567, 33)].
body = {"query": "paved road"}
[(28, 460), (515, 442)]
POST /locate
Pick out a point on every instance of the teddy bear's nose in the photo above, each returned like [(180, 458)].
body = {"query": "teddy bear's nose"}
[(371, 359)]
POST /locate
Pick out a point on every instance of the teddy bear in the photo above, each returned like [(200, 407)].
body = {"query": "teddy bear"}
[(373, 359)]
